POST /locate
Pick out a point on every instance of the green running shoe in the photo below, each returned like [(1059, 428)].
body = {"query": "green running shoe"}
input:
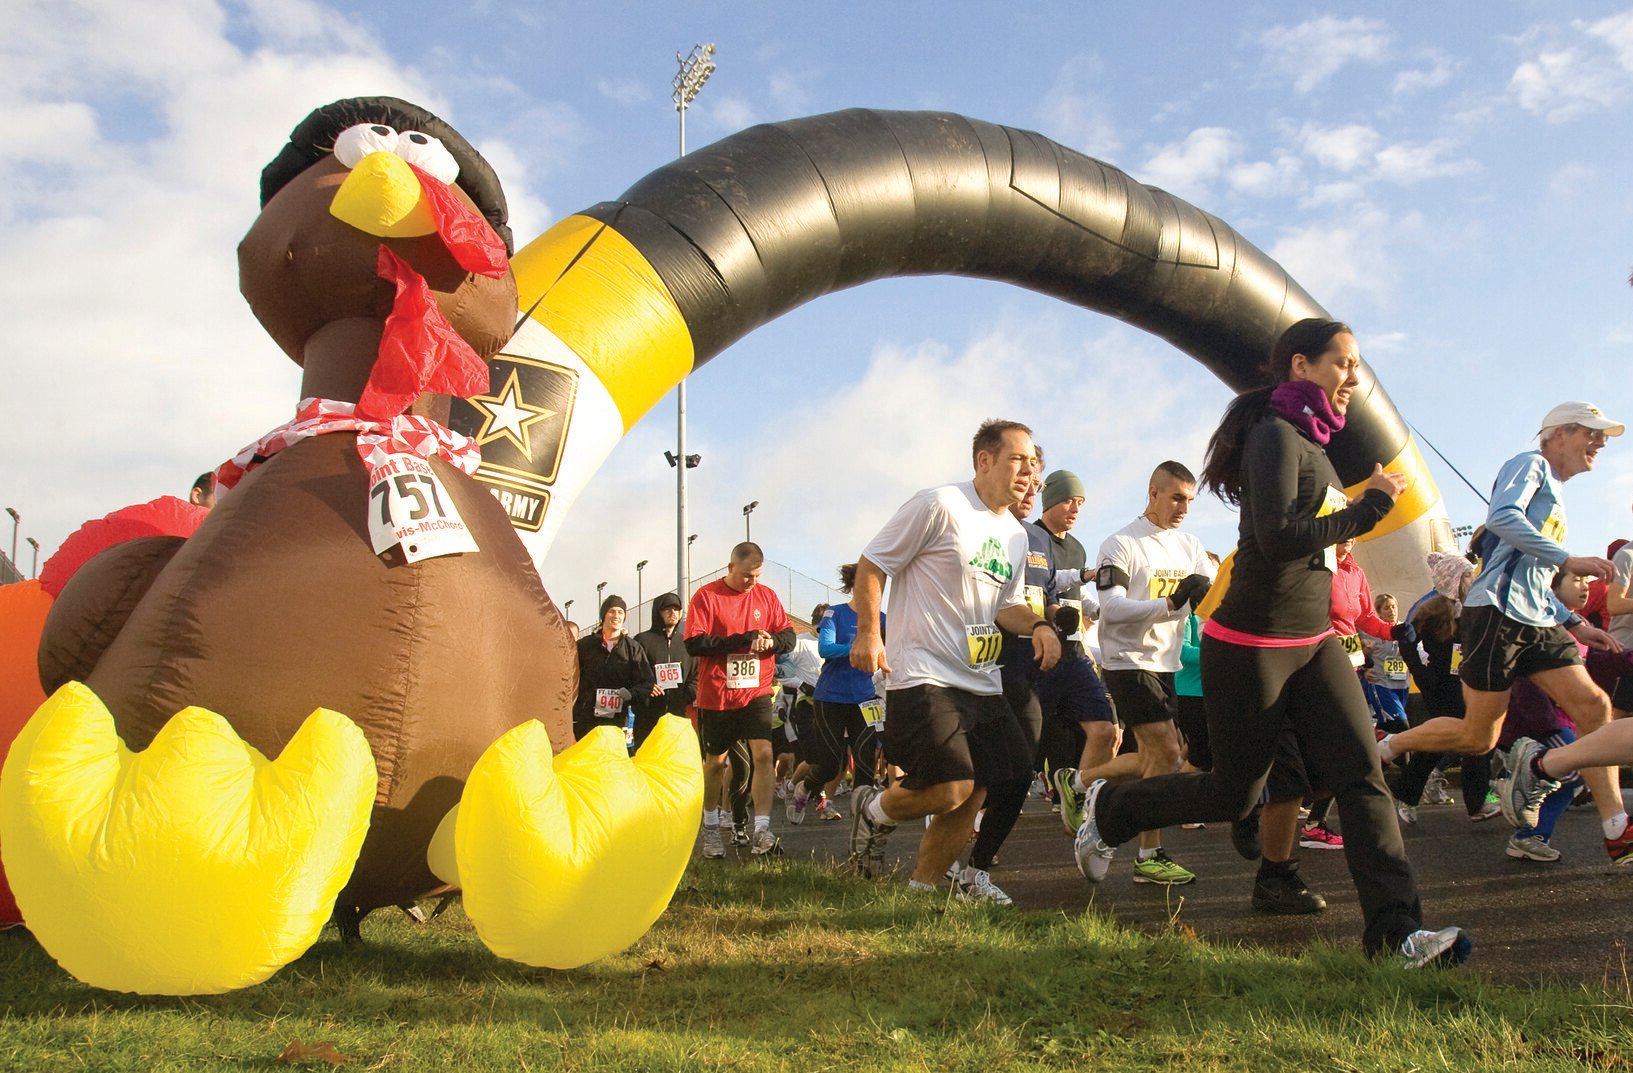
[(1159, 869), (1071, 802)]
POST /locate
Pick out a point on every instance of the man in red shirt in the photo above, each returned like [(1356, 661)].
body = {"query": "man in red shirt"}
[(736, 627)]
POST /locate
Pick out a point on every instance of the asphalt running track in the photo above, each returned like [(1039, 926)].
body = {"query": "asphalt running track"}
[(1567, 922)]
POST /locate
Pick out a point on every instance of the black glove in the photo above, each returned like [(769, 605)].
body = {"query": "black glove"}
[(1192, 589), (1068, 619), (1404, 633)]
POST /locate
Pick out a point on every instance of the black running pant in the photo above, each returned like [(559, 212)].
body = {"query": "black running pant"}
[(837, 729), (1005, 799), (1251, 694)]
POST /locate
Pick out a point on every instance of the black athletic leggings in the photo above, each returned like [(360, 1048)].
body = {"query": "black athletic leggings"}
[(1005, 799), (838, 728), (1251, 694)]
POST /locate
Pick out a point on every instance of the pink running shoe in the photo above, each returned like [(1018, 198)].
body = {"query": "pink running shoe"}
[(1316, 836)]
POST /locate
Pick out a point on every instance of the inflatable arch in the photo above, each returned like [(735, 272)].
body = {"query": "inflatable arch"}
[(623, 300)]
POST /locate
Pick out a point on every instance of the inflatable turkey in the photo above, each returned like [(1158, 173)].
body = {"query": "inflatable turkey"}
[(357, 607)]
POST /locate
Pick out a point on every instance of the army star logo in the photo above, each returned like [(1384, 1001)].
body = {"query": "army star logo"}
[(506, 415)]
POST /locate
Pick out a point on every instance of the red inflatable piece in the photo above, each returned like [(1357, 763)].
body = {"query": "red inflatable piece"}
[(23, 607), (165, 516)]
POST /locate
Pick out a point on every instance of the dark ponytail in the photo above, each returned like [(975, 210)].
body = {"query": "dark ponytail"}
[(1222, 471)]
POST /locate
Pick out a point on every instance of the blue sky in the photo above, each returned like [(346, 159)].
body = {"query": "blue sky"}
[(1454, 181)]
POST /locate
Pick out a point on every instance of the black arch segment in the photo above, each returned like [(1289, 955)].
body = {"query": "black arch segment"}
[(767, 219)]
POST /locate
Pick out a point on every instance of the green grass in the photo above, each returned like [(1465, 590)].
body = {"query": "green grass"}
[(789, 967)]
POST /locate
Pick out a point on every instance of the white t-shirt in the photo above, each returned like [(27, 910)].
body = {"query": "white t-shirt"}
[(953, 565), (1621, 626), (1138, 630), (802, 664)]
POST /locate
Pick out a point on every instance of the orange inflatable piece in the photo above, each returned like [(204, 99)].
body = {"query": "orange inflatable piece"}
[(23, 607)]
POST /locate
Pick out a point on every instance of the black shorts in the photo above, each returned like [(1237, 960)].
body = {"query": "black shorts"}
[(751, 722), (1497, 650), (799, 728), (1622, 697), (937, 734), (1072, 692), (1141, 696), (1191, 717)]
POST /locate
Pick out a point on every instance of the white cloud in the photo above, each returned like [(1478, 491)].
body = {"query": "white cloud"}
[(1190, 166), (1563, 84), (788, 92), (1313, 51), (1576, 69), (1437, 71), (132, 361), (1569, 180), (1359, 151), (1346, 149), (1341, 261), (1074, 113), (1267, 178), (1617, 32), (1405, 164), (1107, 403), (626, 91), (726, 114)]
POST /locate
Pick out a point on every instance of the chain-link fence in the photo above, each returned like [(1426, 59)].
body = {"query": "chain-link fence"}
[(799, 594)]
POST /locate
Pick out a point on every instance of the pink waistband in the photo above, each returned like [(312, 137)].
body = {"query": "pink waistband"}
[(1213, 629)]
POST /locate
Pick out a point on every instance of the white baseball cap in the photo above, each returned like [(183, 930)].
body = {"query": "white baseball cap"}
[(1585, 414)]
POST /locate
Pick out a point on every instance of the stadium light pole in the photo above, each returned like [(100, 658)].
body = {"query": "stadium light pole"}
[(567, 611), (16, 520), (598, 591), (695, 69), (689, 541), (35, 544), (748, 508), (639, 592)]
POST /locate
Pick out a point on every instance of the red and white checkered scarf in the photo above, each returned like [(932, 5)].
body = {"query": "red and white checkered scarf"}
[(376, 439)]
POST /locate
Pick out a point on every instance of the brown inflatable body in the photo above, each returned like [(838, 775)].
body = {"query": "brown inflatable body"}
[(278, 605)]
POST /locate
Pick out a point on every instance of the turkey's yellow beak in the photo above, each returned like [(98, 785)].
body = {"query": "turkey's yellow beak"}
[(382, 196)]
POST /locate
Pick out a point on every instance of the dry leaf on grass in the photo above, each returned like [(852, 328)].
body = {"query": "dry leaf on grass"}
[(301, 1053)]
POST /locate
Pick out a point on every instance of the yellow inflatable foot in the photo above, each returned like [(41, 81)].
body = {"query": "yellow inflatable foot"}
[(570, 859), (193, 867)]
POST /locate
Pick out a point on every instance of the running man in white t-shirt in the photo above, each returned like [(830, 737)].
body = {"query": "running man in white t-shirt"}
[(1150, 577), (955, 558)]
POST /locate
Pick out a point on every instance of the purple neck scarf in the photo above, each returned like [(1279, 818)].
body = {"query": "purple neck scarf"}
[(1306, 406)]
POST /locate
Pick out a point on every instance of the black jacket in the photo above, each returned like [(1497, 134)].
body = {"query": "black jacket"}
[(624, 666), (661, 647)]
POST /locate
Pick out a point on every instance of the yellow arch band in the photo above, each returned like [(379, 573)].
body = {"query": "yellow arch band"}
[(1421, 494), (610, 307)]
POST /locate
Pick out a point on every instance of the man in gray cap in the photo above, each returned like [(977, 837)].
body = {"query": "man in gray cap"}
[(1079, 728), (1513, 626)]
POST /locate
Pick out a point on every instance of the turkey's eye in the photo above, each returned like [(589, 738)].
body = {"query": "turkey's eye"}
[(355, 143), (427, 154)]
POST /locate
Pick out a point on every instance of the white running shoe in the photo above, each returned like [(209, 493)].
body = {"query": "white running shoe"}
[(1531, 848), (798, 800), (974, 885), (1088, 848), (764, 842), (1448, 946), (714, 847)]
